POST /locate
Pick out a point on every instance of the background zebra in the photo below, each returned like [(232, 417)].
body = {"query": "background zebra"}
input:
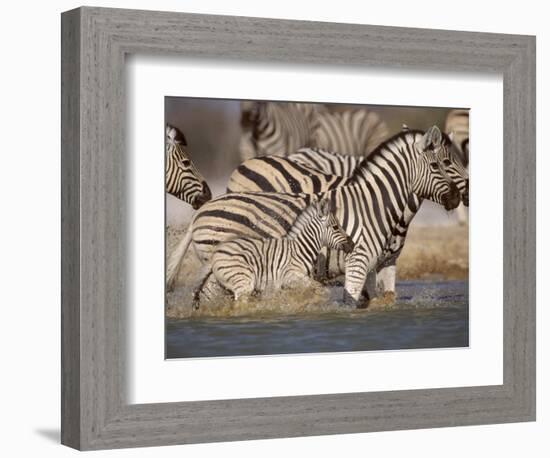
[(368, 211), (244, 265), (458, 123), (276, 174), (278, 128), (183, 180), (275, 128)]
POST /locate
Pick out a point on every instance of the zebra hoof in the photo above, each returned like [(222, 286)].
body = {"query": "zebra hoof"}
[(350, 300)]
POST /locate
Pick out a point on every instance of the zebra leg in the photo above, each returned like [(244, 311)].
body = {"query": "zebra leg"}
[(198, 292), (369, 288), (321, 268), (358, 265), (385, 284), (208, 290), (176, 258)]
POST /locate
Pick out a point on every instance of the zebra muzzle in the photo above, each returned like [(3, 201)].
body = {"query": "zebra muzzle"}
[(202, 198), (451, 199)]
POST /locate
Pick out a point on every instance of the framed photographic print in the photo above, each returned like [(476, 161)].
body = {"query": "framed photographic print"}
[(269, 228)]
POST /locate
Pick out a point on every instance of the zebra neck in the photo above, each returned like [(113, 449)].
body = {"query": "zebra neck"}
[(307, 245)]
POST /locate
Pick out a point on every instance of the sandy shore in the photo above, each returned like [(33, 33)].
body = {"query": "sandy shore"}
[(434, 252)]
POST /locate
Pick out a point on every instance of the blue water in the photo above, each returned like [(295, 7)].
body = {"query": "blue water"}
[(426, 315)]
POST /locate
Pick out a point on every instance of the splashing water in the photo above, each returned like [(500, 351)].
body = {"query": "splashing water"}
[(426, 315)]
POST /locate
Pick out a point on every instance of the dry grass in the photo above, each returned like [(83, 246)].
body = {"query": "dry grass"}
[(435, 252)]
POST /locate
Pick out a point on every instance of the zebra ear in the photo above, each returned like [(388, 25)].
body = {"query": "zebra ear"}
[(431, 138), (405, 128), (452, 135)]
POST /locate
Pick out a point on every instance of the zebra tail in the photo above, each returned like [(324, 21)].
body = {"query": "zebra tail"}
[(176, 258)]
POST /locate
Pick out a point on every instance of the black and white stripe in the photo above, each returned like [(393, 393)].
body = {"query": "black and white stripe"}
[(245, 265), (370, 210), (277, 129), (183, 180), (327, 162)]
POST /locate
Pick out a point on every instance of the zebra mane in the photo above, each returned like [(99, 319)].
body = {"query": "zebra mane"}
[(303, 220), (383, 147), (175, 136)]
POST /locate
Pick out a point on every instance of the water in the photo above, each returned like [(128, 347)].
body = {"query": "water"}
[(427, 315)]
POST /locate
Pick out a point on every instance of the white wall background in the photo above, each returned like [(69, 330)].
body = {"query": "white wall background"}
[(29, 229)]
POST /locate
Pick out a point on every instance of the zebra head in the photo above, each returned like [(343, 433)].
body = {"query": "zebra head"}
[(453, 163), (440, 175), (182, 178), (331, 233)]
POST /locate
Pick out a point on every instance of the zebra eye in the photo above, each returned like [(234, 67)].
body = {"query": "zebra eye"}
[(434, 166), (185, 162), (446, 162)]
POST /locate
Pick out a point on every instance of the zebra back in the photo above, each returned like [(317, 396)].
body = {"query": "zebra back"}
[(327, 162), (277, 129), (354, 132), (279, 174)]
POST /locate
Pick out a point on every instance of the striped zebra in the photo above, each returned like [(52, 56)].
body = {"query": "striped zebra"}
[(275, 129), (245, 265), (325, 161), (276, 174), (329, 161), (182, 178), (458, 124), (355, 132), (369, 211)]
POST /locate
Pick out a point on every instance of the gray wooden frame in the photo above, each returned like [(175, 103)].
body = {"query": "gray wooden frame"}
[(95, 41)]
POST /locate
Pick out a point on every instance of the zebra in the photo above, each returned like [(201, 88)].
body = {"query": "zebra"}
[(276, 174), (326, 161), (245, 265), (330, 162), (458, 123), (182, 178), (355, 132), (369, 211), (275, 129)]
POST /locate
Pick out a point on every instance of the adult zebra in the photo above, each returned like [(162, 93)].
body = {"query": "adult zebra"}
[(183, 180), (276, 174), (276, 128), (370, 211), (458, 122), (244, 265)]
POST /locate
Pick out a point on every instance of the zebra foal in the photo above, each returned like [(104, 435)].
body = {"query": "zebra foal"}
[(245, 265)]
